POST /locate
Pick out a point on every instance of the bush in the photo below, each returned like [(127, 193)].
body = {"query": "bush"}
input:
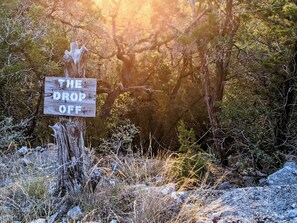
[(249, 125), (36, 189), (191, 163), (29, 200), (121, 139), (12, 134)]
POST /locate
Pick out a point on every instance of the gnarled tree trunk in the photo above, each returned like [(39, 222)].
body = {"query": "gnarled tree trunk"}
[(288, 103), (69, 132), (214, 93)]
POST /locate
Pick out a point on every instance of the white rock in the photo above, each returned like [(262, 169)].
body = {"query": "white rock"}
[(6, 218), (40, 220), (75, 213), (23, 151), (40, 149), (51, 146), (168, 189), (292, 213), (92, 221), (285, 176), (25, 162), (225, 186), (174, 195)]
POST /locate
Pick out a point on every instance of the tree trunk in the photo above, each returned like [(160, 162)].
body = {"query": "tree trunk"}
[(214, 97), (32, 127), (212, 113), (288, 102), (69, 133), (109, 102), (224, 53)]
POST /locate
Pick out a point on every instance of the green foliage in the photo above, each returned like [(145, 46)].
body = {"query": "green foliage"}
[(290, 10), (255, 98), (186, 138), (206, 31), (31, 48), (36, 189), (191, 164), (29, 200), (248, 125), (189, 169), (261, 37), (121, 139), (12, 134)]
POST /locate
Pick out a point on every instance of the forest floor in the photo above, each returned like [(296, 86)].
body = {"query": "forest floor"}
[(138, 193)]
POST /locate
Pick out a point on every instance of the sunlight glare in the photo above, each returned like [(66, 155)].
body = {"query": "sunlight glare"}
[(98, 2)]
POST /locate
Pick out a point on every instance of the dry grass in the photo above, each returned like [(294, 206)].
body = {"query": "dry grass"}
[(138, 196), (26, 201), (138, 170), (132, 193)]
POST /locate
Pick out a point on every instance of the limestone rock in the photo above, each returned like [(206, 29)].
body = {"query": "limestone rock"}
[(40, 149), (23, 151), (179, 196), (40, 220), (6, 218), (285, 176), (74, 214), (168, 189), (25, 162), (263, 182), (225, 186), (251, 204), (292, 213)]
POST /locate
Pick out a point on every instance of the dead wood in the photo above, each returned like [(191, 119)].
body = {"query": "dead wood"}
[(69, 133)]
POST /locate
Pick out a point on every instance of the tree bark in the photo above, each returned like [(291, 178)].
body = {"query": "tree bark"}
[(32, 126), (288, 102), (224, 54), (109, 102), (69, 133), (214, 96), (211, 109)]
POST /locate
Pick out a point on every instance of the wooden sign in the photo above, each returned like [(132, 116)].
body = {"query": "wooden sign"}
[(70, 96)]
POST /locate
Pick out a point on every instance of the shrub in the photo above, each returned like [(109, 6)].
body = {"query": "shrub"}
[(121, 138), (29, 200), (191, 163), (36, 189), (12, 134)]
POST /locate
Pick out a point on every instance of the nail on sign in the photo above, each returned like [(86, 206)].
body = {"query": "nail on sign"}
[(70, 96)]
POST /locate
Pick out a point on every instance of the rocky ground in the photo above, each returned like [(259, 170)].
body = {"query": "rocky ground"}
[(254, 204), (275, 201), (27, 163)]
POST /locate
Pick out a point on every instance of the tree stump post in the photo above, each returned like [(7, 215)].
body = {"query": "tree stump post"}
[(69, 132)]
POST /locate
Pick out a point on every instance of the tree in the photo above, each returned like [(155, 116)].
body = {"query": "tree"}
[(125, 43), (29, 45), (214, 39), (259, 105), (155, 64)]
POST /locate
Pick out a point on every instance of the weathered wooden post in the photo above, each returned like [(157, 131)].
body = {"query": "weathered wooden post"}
[(73, 96)]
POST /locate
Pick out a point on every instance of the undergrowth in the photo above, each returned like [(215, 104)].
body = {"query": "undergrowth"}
[(132, 188)]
